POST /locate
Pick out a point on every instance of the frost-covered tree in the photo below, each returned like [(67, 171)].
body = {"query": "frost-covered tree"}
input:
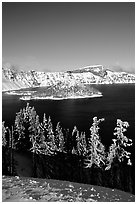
[(34, 133), (19, 128), (80, 145), (96, 150), (7, 149), (50, 135), (59, 138), (45, 125), (37, 136), (75, 141), (83, 144), (78, 142), (117, 149), (4, 131), (24, 127)]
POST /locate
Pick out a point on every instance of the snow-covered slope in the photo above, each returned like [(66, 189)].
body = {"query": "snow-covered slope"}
[(13, 79), (27, 189)]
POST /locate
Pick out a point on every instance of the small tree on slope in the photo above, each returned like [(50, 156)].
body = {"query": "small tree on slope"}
[(117, 149), (83, 144), (96, 150), (45, 125), (75, 141), (80, 138), (59, 138), (51, 136), (4, 131), (22, 127)]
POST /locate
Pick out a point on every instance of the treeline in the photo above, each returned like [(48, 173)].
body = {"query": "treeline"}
[(62, 154)]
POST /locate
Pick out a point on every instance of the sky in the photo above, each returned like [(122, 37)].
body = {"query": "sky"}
[(60, 36)]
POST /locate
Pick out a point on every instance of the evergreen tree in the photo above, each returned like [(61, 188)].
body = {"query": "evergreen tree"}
[(75, 141), (5, 150), (4, 131), (34, 133), (59, 138), (39, 144), (45, 125), (117, 150), (24, 127), (83, 144), (50, 136), (79, 142), (96, 151), (11, 145), (19, 129)]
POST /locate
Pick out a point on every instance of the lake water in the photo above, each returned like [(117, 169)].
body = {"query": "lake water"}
[(118, 102)]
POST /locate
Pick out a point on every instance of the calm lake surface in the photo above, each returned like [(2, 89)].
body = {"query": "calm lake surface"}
[(118, 102)]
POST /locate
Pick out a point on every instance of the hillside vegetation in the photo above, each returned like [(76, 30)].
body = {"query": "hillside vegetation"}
[(56, 153)]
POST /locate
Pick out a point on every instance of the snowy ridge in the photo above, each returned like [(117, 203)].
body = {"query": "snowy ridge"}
[(14, 80)]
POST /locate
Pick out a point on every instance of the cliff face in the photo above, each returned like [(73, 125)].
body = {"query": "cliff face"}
[(13, 79)]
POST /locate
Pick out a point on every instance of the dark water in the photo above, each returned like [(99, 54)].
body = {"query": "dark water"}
[(118, 102)]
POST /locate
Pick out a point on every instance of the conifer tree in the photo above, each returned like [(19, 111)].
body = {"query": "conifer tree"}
[(19, 129), (39, 144), (24, 122), (4, 131), (50, 135), (45, 125), (59, 138), (80, 139), (34, 133), (5, 150), (117, 149), (11, 145), (76, 141), (83, 144), (96, 151)]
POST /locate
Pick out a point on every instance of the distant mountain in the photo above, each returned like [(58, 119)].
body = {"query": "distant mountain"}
[(14, 80)]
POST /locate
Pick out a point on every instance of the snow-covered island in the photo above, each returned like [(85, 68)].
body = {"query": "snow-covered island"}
[(63, 92), (28, 98)]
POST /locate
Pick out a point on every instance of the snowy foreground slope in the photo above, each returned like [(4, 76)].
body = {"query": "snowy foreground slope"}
[(13, 79), (45, 190)]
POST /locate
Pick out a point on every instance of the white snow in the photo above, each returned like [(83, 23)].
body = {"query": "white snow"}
[(33, 79)]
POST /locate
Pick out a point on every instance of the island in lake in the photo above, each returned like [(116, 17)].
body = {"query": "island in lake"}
[(61, 85), (63, 91)]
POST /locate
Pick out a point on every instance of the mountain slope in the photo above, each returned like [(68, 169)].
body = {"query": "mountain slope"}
[(13, 79)]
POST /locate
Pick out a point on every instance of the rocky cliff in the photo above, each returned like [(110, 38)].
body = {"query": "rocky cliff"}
[(13, 79)]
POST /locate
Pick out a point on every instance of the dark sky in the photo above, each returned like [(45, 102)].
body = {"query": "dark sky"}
[(61, 36)]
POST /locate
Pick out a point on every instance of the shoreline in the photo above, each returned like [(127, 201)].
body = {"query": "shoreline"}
[(19, 89), (56, 98)]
